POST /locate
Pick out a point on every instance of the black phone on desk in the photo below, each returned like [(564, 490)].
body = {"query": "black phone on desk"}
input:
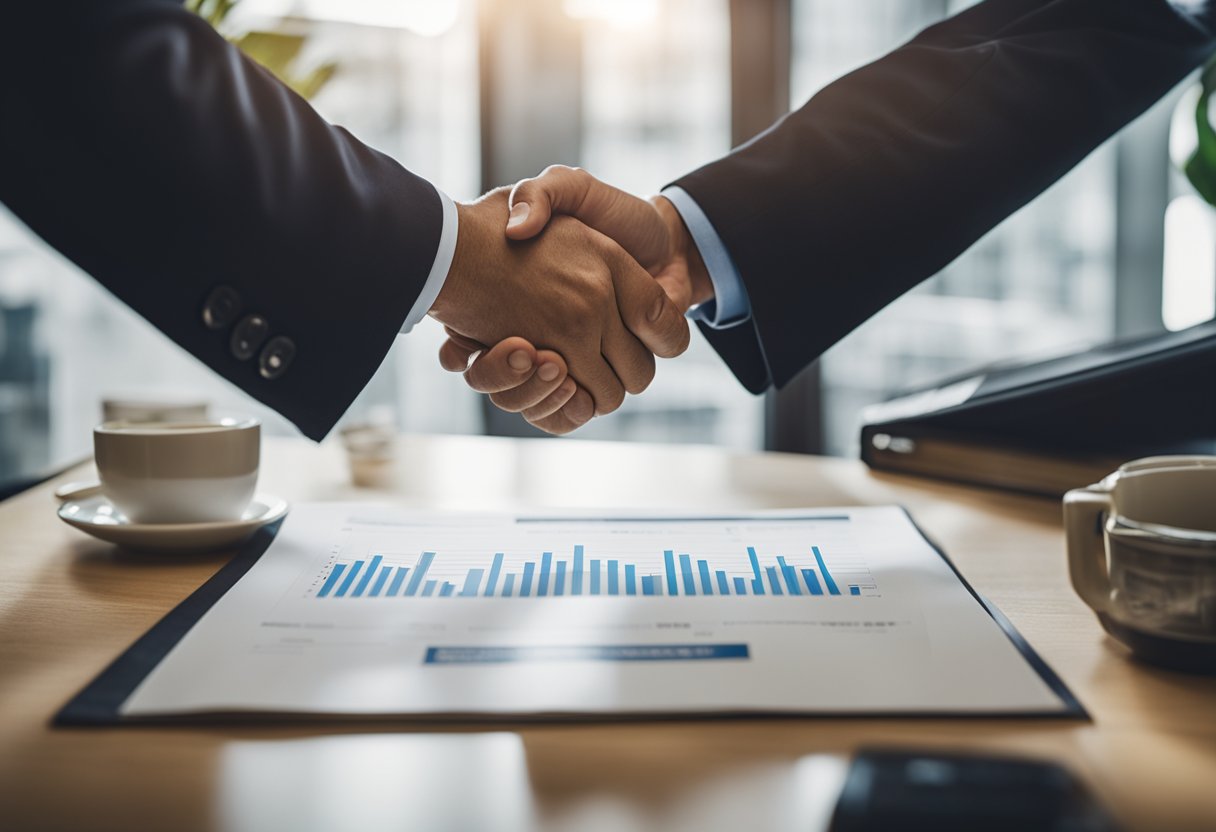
[(892, 790)]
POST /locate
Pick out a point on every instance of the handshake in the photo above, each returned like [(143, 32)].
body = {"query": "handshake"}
[(561, 293)]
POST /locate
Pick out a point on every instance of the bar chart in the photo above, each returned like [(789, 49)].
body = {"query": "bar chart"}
[(579, 571)]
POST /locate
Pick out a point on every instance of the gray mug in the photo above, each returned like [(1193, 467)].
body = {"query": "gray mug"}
[(1142, 555)]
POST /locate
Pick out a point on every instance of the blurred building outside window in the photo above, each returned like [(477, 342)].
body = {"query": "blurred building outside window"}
[(654, 104), (1040, 283)]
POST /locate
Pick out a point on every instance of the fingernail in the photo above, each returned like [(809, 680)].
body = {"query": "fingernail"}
[(548, 372), (657, 310), (519, 213), (519, 360)]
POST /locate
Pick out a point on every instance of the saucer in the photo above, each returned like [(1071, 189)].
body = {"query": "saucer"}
[(93, 514)]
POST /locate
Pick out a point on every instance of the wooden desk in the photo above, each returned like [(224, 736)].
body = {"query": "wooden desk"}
[(69, 604)]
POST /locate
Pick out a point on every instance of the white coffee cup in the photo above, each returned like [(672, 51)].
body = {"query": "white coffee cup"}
[(178, 472), (1142, 554)]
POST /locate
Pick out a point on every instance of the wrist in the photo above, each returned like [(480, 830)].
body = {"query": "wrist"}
[(684, 248), (479, 226)]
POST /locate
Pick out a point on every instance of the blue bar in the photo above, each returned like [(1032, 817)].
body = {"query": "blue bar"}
[(525, 583), (823, 570), (367, 577), (669, 559), (546, 564), (350, 578), (631, 579), (495, 568), (332, 579), (424, 563), (707, 586), (614, 582), (576, 577), (854, 590), (740, 586), (791, 577), (445, 590), (559, 580), (585, 653), (772, 579), (471, 582), (690, 588), (595, 576), (648, 584), (757, 582), (398, 579), (379, 584), (723, 586), (508, 584), (812, 581), (428, 589)]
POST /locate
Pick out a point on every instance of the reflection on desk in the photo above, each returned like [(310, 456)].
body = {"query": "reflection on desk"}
[(70, 604)]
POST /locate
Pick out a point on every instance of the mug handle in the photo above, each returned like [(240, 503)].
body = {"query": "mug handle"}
[(1085, 510)]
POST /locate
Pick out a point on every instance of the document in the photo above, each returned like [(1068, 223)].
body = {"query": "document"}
[(363, 611)]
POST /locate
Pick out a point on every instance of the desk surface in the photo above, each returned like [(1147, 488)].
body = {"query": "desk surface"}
[(70, 604)]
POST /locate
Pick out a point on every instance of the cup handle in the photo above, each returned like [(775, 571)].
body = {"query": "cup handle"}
[(1085, 510)]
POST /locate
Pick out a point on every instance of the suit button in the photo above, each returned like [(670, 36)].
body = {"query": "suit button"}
[(248, 336), (276, 357), (221, 307)]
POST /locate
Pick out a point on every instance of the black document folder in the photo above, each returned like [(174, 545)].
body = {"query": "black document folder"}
[(1048, 426)]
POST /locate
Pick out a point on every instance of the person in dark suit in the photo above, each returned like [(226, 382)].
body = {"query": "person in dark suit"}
[(275, 247), (880, 180)]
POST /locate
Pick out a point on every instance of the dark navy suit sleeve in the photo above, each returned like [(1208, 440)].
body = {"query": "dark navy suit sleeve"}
[(889, 173), (167, 165)]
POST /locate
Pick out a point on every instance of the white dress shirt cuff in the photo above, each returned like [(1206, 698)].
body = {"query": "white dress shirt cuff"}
[(439, 268), (730, 305)]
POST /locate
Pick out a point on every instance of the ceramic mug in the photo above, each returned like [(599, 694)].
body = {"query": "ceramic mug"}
[(178, 472), (1142, 555)]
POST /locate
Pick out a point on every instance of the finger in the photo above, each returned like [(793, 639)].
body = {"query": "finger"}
[(555, 401), (508, 364), (595, 376), (630, 360), (628, 219), (456, 353), (645, 307), (549, 376), (577, 412)]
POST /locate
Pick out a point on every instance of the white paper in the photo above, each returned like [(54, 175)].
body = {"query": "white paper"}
[(291, 637)]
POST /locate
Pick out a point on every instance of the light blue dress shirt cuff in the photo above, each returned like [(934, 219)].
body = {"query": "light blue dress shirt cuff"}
[(730, 306), (439, 268)]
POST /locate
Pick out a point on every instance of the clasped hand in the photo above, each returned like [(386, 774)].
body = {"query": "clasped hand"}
[(560, 325)]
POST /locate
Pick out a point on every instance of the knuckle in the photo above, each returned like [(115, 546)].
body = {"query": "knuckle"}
[(640, 376), (553, 425), (507, 401), (609, 399), (676, 339)]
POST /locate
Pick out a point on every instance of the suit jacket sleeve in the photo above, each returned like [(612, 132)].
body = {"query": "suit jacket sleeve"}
[(889, 173), (166, 164)]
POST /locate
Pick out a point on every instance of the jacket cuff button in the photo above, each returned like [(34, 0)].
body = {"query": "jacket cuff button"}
[(248, 336), (221, 307), (276, 357)]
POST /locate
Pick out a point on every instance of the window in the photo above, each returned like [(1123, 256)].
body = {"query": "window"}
[(1042, 282)]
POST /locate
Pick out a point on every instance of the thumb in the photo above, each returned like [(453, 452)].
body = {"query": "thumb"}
[(632, 222), (647, 309), (533, 201)]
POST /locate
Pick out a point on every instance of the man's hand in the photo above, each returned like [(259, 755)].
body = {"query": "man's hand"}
[(651, 232), (574, 292)]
